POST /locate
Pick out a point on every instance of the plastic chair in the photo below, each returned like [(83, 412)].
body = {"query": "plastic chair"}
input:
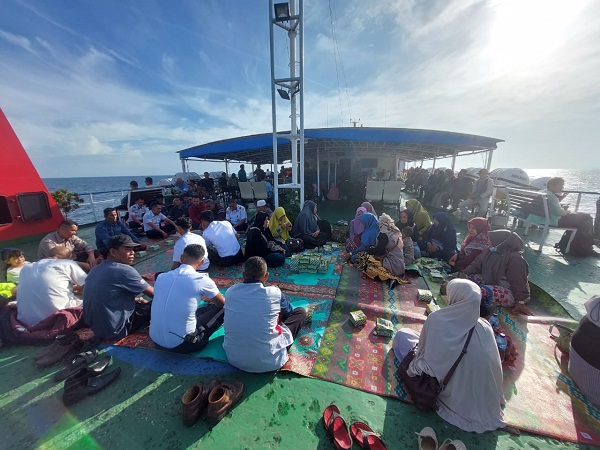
[(260, 190), (374, 191)]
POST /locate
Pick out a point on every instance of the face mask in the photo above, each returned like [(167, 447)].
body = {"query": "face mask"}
[(494, 249)]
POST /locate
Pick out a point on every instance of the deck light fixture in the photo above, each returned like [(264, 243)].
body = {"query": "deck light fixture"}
[(283, 94), (282, 11)]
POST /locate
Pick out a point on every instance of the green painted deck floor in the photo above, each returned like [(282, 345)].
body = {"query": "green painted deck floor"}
[(281, 410)]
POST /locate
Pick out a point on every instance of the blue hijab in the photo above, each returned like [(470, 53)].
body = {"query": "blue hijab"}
[(371, 224)]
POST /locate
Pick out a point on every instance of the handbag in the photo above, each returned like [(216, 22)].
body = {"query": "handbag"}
[(424, 389), (295, 245)]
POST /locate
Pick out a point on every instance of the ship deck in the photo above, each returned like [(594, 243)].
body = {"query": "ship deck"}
[(279, 410)]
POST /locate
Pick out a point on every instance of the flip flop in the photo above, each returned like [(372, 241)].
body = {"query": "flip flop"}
[(449, 444), (336, 426), (79, 361), (364, 436)]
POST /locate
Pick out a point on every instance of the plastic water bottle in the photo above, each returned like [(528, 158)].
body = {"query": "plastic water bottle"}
[(494, 321), (502, 344)]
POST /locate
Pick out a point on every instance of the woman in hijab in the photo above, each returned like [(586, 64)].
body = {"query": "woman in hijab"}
[(369, 208), (308, 227), (385, 261), (440, 239), (476, 241), (334, 193), (280, 225), (405, 220), (421, 218), (356, 230), (260, 242), (503, 268), (473, 398), (584, 358), (368, 238)]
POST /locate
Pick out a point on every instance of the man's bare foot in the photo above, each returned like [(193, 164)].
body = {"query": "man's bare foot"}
[(522, 309)]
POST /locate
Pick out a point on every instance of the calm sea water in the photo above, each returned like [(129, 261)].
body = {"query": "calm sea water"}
[(577, 180)]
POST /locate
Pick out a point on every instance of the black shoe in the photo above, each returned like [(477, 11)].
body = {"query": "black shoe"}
[(79, 361), (86, 382)]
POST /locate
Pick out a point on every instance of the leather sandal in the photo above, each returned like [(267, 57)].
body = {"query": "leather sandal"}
[(364, 436), (336, 426), (82, 359), (427, 439), (222, 398), (449, 444)]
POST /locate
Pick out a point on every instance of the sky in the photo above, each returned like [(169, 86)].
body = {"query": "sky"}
[(116, 88)]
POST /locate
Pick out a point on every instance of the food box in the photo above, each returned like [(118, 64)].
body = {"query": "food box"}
[(168, 241), (436, 275), (431, 307), (425, 295), (310, 309), (383, 327), (153, 248), (358, 318), (327, 249), (323, 267), (140, 254)]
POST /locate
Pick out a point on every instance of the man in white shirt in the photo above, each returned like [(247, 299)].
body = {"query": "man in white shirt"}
[(177, 322), (222, 236), (259, 322), (136, 213), (236, 214), (153, 220), (482, 191), (183, 225), (48, 286)]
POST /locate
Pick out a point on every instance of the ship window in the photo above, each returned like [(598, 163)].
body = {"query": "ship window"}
[(5, 216), (34, 206)]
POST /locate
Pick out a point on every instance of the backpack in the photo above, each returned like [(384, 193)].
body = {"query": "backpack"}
[(581, 245)]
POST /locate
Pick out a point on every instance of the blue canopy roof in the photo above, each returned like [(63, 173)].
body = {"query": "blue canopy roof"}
[(408, 144)]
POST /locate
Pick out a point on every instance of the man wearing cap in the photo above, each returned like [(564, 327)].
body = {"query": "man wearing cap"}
[(482, 191), (261, 206), (110, 304), (236, 214)]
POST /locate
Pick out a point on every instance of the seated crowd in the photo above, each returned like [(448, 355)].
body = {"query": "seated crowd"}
[(260, 325)]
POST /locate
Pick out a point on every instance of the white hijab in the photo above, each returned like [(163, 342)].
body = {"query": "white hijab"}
[(445, 331), (592, 306)]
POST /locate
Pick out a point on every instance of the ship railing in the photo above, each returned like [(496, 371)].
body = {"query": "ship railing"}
[(94, 203)]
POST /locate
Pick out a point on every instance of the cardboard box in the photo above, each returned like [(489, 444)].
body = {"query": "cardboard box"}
[(358, 318), (384, 328), (424, 295)]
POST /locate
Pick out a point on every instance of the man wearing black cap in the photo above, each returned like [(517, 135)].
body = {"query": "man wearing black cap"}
[(110, 306)]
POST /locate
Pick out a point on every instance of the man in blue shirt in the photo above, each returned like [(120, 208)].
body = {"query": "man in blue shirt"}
[(111, 226)]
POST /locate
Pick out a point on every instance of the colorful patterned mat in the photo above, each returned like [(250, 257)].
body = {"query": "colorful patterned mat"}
[(541, 398), (303, 352)]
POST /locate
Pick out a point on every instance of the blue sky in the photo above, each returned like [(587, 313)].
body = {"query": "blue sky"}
[(113, 87)]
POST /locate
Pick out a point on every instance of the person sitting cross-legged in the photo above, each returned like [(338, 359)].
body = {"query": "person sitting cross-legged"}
[(221, 236), (178, 324), (183, 226), (153, 220), (110, 304), (236, 214), (260, 324), (111, 226)]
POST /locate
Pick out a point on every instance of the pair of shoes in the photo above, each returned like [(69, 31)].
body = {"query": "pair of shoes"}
[(215, 399), (62, 347), (428, 441), (76, 363), (194, 402), (88, 381), (360, 432)]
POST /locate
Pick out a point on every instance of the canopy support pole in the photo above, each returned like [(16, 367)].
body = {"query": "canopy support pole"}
[(489, 159), (318, 172), (453, 160)]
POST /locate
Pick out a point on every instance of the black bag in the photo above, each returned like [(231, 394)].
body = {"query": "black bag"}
[(424, 389), (583, 241), (295, 245)]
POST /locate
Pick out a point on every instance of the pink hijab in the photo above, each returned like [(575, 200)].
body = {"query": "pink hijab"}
[(481, 240), (369, 208), (356, 226)]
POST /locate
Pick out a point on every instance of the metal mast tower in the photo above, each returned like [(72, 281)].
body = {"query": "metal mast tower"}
[(290, 18)]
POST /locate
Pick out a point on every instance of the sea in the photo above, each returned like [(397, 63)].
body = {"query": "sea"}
[(102, 192)]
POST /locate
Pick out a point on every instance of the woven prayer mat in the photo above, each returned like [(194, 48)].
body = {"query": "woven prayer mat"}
[(302, 353), (541, 398)]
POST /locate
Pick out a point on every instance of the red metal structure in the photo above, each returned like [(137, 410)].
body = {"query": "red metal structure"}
[(26, 206)]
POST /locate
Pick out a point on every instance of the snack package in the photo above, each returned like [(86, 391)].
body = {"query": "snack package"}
[(431, 307), (310, 309), (383, 327), (425, 295), (358, 318)]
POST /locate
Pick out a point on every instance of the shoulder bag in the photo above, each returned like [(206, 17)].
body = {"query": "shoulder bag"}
[(424, 389)]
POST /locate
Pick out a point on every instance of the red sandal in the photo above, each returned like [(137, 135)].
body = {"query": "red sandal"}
[(365, 437), (336, 426)]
